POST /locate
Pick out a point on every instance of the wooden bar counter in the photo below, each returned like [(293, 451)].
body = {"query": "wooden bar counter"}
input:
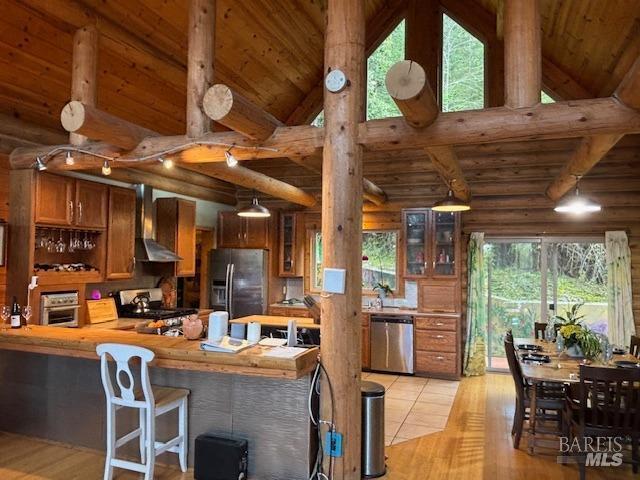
[(52, 387), (171, 352)]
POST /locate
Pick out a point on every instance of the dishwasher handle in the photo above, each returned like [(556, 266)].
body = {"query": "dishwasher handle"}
[(392, 319)]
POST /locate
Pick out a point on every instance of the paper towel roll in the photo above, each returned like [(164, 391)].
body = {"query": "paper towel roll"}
[(254, 331), (218, 325), (292, 333)]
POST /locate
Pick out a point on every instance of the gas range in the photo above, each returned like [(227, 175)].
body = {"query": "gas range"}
[(153, 310)]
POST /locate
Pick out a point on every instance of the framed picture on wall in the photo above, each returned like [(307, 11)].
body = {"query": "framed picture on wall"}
[(3, 243)]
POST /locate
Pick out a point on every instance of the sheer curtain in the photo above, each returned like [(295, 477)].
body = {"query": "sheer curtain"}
[(476, 344), (620, 318)]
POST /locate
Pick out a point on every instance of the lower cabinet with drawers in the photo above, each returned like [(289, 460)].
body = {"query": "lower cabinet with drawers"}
[(289, 312), (436, 339)]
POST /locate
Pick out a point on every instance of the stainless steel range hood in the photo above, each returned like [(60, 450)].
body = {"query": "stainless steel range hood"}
[(147, 249)]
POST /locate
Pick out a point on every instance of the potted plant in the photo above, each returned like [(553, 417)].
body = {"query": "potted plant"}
[(383, 289)]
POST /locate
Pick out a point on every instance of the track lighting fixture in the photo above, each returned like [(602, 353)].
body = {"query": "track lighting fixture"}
[(166, 162), (68, 159), (39, 164), (106, 168), (231, 160)]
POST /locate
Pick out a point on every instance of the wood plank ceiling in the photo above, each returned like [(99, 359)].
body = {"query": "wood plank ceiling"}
[(272, 52)]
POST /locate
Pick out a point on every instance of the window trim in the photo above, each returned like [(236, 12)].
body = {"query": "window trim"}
[(400, 281)]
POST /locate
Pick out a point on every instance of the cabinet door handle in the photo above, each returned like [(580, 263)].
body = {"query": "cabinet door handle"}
[(238, 235), (71, 210), (79, 212), (132, 265), (439, 357), (439, 337), (245, 235), (439, 324), (434, 264)]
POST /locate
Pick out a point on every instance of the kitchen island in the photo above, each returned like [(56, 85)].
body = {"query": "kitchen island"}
[(51, 381)]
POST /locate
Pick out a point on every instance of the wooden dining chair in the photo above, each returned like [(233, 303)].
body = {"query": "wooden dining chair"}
[(540, 327), (634, 346), (549, 398), (605, 404)]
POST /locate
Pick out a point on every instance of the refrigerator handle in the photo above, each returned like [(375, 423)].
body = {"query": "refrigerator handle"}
[(231, 281), (226, 288)]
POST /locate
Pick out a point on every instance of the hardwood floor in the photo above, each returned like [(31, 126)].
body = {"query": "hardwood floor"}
[(475, 444)]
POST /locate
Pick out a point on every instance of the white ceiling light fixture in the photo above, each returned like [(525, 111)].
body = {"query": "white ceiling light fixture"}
[(106, 168), (68, 159), (231, 160), (577, 204), (255, 210)]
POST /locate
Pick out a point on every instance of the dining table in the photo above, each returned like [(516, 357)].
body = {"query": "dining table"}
[(561, 369)]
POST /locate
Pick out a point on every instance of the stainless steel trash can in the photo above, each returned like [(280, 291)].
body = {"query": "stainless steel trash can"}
[(373, 458)]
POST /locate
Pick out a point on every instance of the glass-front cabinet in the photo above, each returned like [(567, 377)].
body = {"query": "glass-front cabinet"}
[(291, 242), (416, 238), (444, 243), (431, 240)]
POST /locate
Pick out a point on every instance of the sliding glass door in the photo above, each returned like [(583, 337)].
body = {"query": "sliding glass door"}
[(530, 279)]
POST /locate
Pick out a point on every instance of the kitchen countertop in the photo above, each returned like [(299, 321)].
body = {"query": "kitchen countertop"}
[(277, 321), (405, 311), (171, 352)]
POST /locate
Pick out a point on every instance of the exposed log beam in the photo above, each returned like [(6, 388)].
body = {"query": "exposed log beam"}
[(409, 88), (231, 109), (84, 71), (202, 19), (628, 92), (522, 53), (87, 120), (444, 161), (560, 85), (167, 182), (544, 121), (590, 151), (593, 148), (16, 133), (255, 181)]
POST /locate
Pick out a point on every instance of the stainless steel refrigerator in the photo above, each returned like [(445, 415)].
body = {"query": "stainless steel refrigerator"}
[(238, 281)]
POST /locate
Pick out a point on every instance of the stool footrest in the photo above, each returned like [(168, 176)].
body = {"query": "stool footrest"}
[(136, 467), (168, 446), (128, 437)]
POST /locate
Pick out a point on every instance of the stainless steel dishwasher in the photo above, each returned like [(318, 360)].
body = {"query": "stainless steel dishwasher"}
[(392, 343)]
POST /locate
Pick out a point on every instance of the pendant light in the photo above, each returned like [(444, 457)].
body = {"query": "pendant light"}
[(577, 204), (255, 210), (451, 203)]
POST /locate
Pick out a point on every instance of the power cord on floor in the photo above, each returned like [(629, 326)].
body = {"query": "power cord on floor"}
[(318, 470)]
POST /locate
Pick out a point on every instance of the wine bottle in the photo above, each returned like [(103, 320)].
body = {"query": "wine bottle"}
[(15, 314)]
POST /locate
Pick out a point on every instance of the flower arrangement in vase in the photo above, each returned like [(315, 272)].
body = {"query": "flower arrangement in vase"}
[(579, 340)]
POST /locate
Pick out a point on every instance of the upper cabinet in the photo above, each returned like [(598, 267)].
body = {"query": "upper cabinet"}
[(238, 232), (64, 201), (291, 245), (121, 234), (432, 243), (176, 230), (55, 201), (91, 204)]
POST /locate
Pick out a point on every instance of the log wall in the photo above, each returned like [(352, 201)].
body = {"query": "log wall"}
[(4, 216)]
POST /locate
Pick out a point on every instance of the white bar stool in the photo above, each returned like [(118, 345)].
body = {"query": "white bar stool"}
[(151, 401)]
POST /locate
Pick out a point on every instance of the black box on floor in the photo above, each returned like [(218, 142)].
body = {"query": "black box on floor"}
[(220, 458)]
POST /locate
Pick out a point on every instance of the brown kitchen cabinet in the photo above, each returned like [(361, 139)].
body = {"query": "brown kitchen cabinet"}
[(437, 350), (121, 234), (239, 232), (289, 312), (432, 244), (290, 245), (64, 201), (439, 296), (54, 203), (176, 230), (91, 200)]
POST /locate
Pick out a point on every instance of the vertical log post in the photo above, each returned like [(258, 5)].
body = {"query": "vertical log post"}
[(342, 228), (202, 19), (423, 40), (84, 74), (522, 53)]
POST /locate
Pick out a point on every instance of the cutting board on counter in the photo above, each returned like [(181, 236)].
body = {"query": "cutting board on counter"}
[(100, 311)]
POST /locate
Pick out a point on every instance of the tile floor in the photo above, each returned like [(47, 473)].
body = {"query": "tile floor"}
[(414, 406)]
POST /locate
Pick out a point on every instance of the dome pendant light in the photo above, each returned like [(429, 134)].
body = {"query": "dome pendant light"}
[(255, 210), (451, 203), (577, 204)]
